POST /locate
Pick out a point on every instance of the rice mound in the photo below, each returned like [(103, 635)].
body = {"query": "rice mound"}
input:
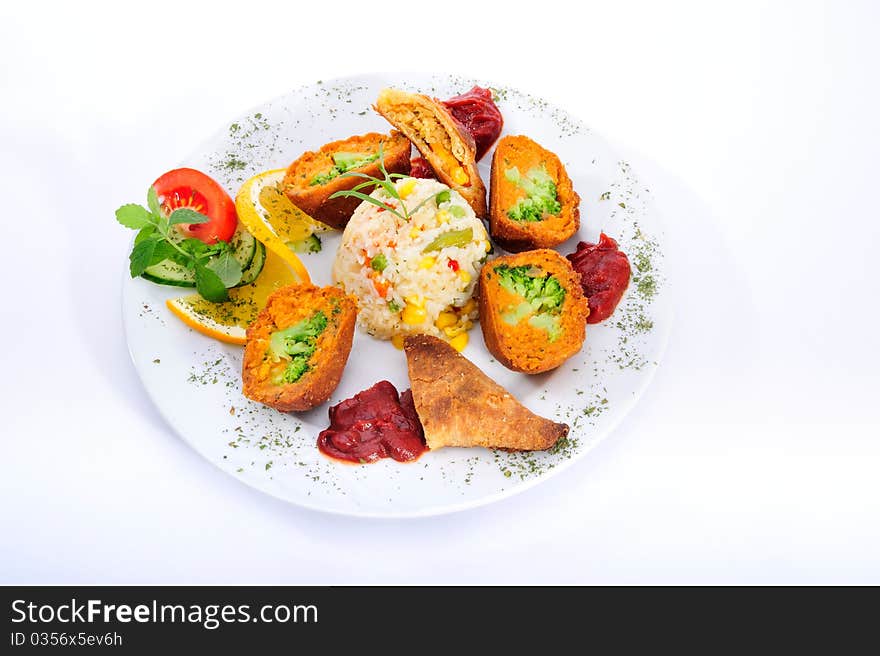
[(383, 261)]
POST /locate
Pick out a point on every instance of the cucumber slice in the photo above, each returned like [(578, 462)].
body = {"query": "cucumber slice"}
[(256, 266), (311, 244), (166, 272), (169, 273)]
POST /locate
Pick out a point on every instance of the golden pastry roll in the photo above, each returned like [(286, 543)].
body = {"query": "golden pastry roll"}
[(316, 175), (448, 147)]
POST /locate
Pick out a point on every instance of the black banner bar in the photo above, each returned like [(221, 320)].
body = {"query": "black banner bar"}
[(387, 619)]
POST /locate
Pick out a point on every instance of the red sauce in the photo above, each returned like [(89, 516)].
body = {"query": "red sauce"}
[(372, 425), (419, 168), (479, 115), (605, 272)]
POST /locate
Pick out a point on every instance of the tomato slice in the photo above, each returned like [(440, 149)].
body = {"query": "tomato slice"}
[(195, 190)]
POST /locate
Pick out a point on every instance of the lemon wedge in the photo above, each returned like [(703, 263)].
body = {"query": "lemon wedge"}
[(270, 216), (228, 321)]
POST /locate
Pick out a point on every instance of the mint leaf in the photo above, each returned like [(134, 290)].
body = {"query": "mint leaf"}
[(141, 256), (202, 251), (153, 203), (134, 216), (145, 233), (227, 269), (186, 215), (209, 285), (165, 251), (193, 245)]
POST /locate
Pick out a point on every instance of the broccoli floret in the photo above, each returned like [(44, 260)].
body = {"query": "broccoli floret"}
[(324, 178), (298, 340), (343, 162), (534, 209), (295, 369), (542, 292), (297, 344), (514, 279), (311, 327), (541, 197), (551, 296), (542, 295)]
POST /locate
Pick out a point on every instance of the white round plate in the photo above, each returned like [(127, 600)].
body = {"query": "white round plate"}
[(195, 381)]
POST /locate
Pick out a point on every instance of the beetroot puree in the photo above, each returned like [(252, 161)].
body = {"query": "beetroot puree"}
[(605, 272), (479, 115), (372, 425), (419, 168)]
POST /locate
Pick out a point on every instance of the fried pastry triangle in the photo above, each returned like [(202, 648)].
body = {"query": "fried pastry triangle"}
[(459, 405)]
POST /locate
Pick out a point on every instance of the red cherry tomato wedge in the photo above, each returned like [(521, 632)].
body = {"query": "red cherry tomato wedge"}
[(195, 190)]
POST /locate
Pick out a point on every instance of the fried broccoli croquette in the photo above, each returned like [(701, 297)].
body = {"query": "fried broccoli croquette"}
[(532, 202), (297, 347), (532, 310)]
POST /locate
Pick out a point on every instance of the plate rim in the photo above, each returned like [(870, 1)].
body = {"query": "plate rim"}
[(431, 510)]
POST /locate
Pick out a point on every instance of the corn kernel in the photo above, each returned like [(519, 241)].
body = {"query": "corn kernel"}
[(446, 319), (464, 276), (443, 216), (459, 176), (427, 262), (413, 315), (418, 301), (397, 340), (406, 187), (459, 342), (469, 307)]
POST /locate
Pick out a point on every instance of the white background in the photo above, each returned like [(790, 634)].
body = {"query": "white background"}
[(754, 456)]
